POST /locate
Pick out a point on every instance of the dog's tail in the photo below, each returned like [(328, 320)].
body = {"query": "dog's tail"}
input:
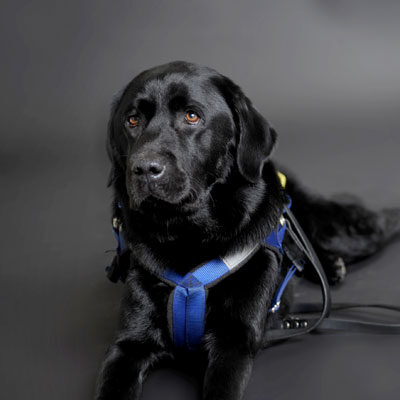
[(342, 226)]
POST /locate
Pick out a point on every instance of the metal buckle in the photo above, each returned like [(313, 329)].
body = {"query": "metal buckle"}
[(116, 223), (276, 307)]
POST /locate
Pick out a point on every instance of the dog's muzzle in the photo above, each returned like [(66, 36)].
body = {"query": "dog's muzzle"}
[(153, 175)]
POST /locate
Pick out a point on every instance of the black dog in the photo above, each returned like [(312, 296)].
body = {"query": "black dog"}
[(192, 174)]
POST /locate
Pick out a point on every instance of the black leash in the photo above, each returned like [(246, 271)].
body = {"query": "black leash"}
[(353, 325), (301, 319)]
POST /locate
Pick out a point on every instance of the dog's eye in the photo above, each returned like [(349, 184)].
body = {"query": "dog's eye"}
[(191, 117), (133, 120)]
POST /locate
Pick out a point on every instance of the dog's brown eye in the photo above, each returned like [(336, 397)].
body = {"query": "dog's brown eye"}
[(133, 120), (191, 117)]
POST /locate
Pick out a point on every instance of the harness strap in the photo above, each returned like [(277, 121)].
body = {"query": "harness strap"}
[(187, 304), (276, 333), (276, 302), (118, 270), (275, 239)]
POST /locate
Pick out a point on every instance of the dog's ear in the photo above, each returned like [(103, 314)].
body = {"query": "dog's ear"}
[(112, 143), (256, 137), (111, 147)]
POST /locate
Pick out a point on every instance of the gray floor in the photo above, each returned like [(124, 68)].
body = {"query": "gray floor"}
[(327, 78)]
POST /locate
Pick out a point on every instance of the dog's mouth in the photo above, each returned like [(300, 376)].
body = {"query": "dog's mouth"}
[(173, 193)]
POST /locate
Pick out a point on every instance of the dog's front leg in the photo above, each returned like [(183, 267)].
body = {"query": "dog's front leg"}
[(228, 372), (124, 370)]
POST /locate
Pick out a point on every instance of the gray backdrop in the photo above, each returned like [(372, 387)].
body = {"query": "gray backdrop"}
[(325, 73)]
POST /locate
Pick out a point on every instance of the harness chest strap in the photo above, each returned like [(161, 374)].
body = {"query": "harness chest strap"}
[(187, 302)]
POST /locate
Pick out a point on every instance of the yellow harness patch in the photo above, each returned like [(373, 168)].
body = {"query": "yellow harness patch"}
[(282, 178)]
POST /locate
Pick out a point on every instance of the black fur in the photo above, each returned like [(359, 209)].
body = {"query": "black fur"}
[(192, 192)]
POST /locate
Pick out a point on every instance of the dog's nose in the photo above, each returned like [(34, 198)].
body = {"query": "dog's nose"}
[(151, 169)]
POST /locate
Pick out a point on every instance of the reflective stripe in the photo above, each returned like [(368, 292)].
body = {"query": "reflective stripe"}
[(233, 260)]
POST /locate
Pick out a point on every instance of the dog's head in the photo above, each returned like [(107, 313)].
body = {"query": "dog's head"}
[(178, 129)]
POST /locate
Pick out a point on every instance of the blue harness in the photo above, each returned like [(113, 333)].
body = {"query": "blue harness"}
[(187, 302)]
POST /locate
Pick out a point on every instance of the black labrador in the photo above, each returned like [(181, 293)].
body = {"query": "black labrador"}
[(192, 174)]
